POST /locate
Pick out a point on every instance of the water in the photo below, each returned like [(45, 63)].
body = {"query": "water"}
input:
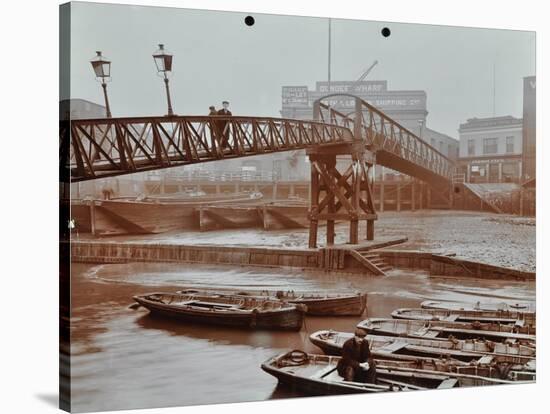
[(125, 358)]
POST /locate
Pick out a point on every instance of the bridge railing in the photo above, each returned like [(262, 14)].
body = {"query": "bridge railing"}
[(114, 146), (385, 134)]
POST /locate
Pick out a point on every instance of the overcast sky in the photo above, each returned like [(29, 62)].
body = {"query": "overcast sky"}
[(217, 57)]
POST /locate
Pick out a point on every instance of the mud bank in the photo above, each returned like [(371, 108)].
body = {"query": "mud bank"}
[(494, 239)]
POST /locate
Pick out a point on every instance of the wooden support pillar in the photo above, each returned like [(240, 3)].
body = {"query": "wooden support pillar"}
[(398, 207), (429, 197), (218, 189), (313, 208), (274, 191), (92, 217), (331, 207), (521, 201), (356, 186), (370, 229), (340, 195), (413, 195), (381, 206), (265, 217), (421, 201)]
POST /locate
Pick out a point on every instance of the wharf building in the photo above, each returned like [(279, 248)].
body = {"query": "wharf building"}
[(491, 149)]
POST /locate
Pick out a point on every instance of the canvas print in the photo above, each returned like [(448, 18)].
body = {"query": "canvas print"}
[(259, 206)]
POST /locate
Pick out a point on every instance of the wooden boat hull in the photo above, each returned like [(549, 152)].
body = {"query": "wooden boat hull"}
[(443, 330), (316, 375), (509, 317), (390, 347), (290, 318), (518, 307), (317, 304), (341, 306), (316, 386)]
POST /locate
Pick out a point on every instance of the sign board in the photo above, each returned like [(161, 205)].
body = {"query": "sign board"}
[(295, 95), (352, 87), (388, 101)]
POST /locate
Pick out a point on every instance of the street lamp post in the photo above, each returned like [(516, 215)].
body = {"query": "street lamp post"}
[(421, 127), (163, 61), (102, 70)]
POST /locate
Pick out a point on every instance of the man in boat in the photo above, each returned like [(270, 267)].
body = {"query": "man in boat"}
[(356, 363)]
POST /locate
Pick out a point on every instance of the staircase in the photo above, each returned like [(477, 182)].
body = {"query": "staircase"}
[(372, 261), (496, 196)]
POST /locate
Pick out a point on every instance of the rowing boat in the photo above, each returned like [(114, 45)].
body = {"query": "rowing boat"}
[(233, 311), (316, 375), (313, 374), (317, 303), (517, 358), (483, 306), (510, 317), (444, 330)]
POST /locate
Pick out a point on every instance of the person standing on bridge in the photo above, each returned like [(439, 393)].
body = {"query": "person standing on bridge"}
[(214, 127), (223, 125)]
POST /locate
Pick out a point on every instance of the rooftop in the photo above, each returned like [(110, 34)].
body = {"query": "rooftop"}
[(497, 121)]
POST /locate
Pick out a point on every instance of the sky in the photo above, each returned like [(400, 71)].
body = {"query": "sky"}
[(217, 57)]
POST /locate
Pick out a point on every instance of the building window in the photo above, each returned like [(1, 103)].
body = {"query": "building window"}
[(471, 147), (509, 144), (490, 146)]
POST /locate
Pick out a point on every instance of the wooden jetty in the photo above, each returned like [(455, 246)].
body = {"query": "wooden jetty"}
[(233, 311)]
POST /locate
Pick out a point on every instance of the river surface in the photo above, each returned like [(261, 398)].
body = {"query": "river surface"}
[(124, 358)]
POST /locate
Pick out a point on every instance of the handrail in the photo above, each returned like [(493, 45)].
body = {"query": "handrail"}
[(384, 134), (113, 146)]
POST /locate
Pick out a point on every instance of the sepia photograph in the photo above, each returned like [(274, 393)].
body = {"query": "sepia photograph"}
[(261, 206)]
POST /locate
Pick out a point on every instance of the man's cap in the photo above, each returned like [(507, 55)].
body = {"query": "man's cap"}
[(212, 107), (227, 102), (361, 333)]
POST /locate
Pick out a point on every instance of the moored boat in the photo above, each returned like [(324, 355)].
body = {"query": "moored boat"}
[(480, 306), (461, 352), (464, 375), (510, 317), (233, 311), (317, 375), (444, 330), (317, 303)]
